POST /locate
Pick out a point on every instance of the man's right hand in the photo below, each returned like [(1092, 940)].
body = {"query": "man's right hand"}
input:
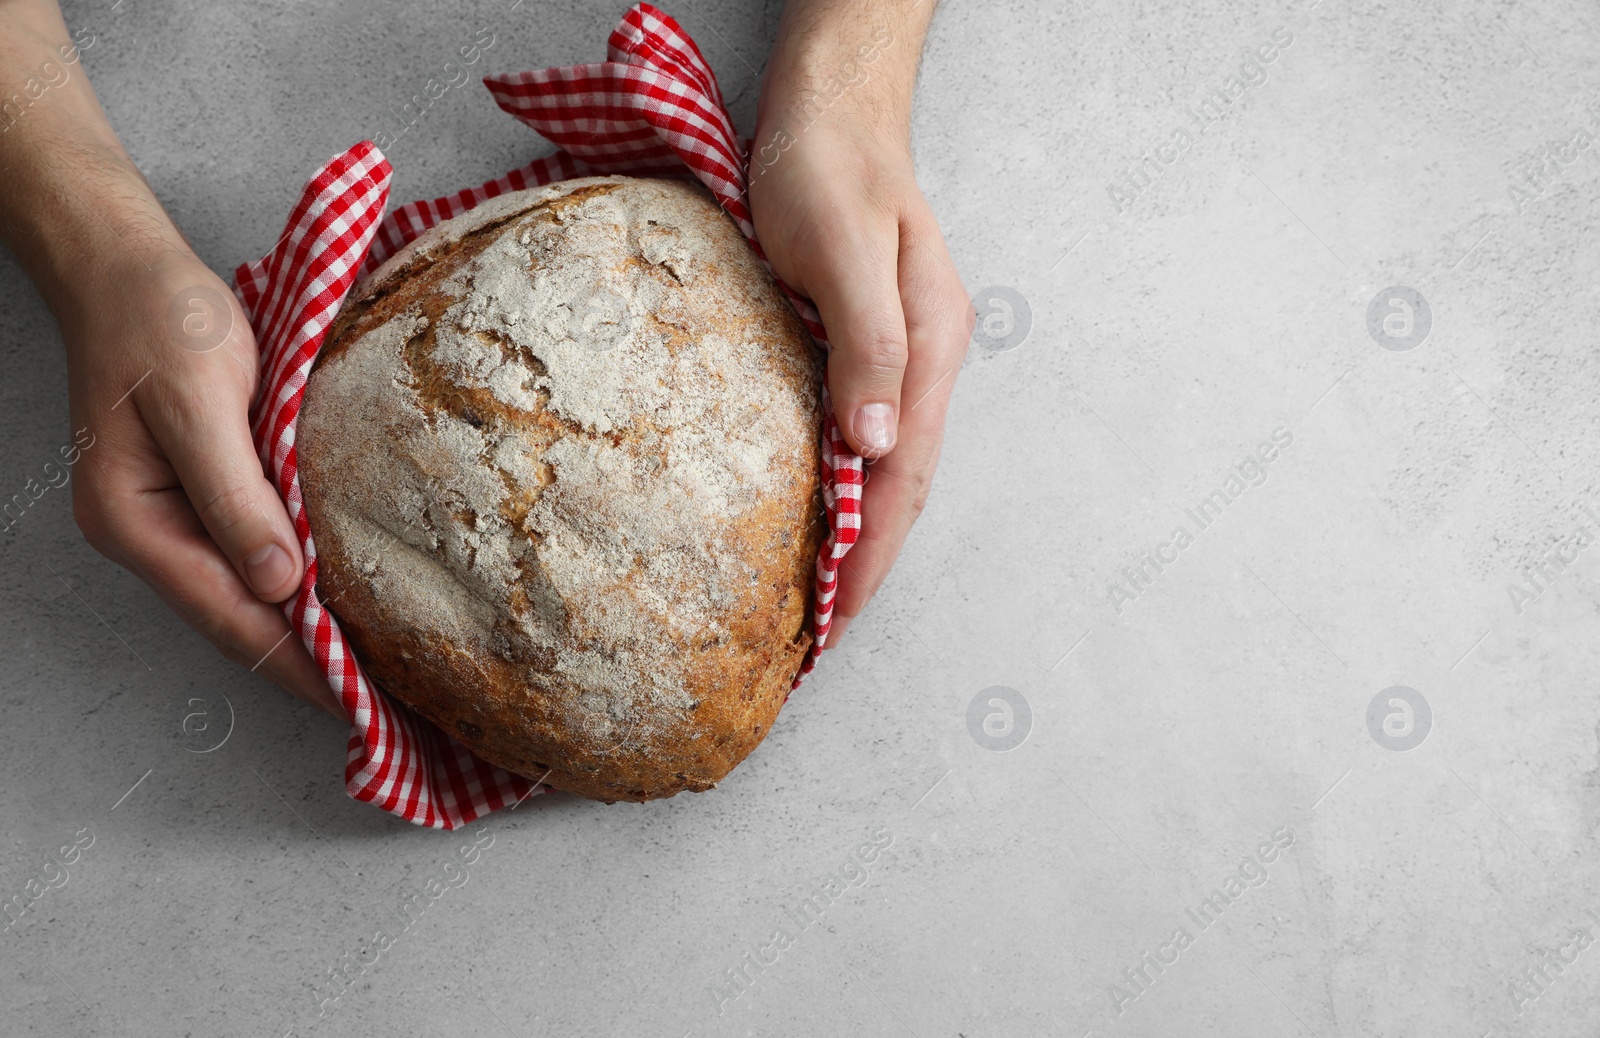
[(161, 367)]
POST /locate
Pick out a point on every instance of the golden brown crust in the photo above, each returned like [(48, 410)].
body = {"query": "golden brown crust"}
[(581, 542)]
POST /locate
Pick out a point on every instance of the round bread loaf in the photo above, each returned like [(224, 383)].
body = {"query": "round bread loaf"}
[(559, 457)]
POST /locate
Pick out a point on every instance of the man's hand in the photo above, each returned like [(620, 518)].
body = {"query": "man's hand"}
[(839, 214), (161, 368), (173, 489)]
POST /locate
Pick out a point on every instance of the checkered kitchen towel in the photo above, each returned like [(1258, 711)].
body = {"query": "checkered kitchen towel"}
[(652, 108)]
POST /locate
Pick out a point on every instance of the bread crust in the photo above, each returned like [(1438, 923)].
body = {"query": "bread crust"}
[(560, 461)]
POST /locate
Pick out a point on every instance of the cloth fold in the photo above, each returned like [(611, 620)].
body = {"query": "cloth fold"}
[(653, 108)]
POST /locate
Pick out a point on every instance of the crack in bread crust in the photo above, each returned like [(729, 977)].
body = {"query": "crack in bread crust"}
[(590, 417)]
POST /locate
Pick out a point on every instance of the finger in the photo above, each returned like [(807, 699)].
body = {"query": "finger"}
[(205, 435), (938, 327), (159, 537), (891, 500), (859, 301)]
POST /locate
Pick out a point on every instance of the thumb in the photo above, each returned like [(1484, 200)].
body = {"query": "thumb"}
[(204, 430), (856, 289)]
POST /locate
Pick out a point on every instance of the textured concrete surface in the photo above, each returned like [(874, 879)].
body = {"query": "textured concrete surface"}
[(1203, 729)]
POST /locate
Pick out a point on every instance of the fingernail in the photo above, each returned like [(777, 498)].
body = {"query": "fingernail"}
[(267, 569), (874, 426)]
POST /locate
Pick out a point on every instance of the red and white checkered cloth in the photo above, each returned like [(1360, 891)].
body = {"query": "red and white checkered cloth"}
[(652, 108)]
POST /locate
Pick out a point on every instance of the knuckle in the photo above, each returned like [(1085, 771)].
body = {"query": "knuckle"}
[(922, 486), (92, 521), (909, 486), (233, 654), (94, 533), (227, 506), (228, 650), (220, 630), (880, 354)]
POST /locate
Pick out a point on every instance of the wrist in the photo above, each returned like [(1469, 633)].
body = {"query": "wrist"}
[(74, 209), (841, 62), (82, 221)]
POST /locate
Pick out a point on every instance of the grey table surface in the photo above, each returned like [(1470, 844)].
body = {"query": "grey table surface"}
[(1434, 859)]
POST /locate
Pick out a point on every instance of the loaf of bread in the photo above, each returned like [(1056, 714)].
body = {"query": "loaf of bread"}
[(559, 459)]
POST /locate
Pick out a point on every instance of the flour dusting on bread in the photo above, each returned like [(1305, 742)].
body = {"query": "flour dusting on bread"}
[(587, 423)]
